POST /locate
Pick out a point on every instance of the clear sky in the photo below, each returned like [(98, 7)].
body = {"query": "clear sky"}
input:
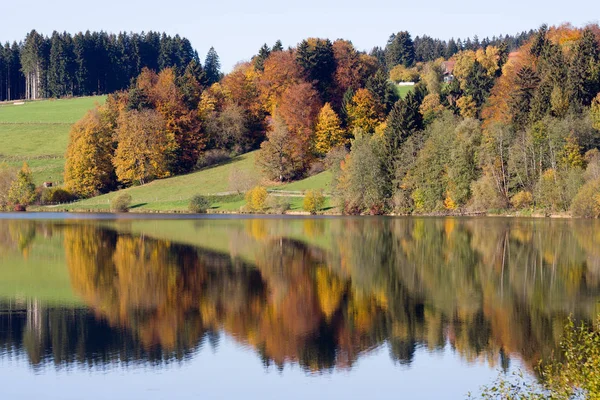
[(238, 28)]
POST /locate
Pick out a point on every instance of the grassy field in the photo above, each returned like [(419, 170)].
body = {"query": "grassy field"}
[(174, 194), (38, 132), (403, 90)]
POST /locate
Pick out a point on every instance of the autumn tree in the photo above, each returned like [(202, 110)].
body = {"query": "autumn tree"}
[(22, 188), (298, 108), (277, 157), (364, 111), (328, 131), (89, 169), (181, 123), (144, 149), (7, 176)]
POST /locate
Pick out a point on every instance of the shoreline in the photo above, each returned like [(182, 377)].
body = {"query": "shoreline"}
[(538, 215)]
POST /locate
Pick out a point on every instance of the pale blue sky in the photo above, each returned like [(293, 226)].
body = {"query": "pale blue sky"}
[(238, 28)]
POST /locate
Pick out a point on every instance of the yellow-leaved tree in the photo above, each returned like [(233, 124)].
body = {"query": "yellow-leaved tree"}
[(89, 169), (145, 147), (328, 132), (364, 111)]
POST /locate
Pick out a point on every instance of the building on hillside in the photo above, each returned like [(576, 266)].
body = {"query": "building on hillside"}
[(448, 68)]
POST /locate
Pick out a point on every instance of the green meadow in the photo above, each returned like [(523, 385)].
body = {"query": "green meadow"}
[(38, 133)]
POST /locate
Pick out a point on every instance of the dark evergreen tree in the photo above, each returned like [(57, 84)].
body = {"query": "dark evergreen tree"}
[(315, 57), (478, 84), (520, 102), (400, 50), (259, 59), (383, 90), (278, 46), (584, 71), (212, 67), (452, 48)]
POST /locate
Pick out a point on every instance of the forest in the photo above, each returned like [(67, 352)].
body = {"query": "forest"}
[(508, 123)]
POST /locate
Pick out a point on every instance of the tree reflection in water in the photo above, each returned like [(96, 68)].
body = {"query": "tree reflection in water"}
[(314, 292)]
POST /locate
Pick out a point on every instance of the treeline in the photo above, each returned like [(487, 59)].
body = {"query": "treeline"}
[(427, 48), (487, 129), (87, 63)]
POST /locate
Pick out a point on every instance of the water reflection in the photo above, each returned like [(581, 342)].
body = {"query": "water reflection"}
[(313, 292)]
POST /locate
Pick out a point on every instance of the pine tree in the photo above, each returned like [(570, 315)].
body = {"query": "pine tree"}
[(278, 46), (259, 59), (212, 67), (400, 50), (382, 89)]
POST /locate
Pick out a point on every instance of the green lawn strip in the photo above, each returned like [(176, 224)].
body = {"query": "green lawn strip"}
[(49, 111), (319, 181), (403, 90)]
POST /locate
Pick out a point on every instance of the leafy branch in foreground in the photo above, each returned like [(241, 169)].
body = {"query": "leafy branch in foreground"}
[(576, 375)]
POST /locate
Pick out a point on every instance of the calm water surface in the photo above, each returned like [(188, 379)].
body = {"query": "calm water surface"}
[(218, 307)]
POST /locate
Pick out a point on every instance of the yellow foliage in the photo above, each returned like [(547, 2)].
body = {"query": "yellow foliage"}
[(464, 63), (522, 199), (364, 111), (330, 291), (89, 167), (313, 201), (256, 199), (489, 59), (402, 74), (571, 154), (328, 132), (468, 107), (449, 203), (431, 107)]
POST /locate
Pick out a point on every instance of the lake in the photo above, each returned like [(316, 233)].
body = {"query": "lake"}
[(168, 307)]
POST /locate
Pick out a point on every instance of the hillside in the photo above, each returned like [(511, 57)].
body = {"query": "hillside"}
[(38, 132), (174, 194)]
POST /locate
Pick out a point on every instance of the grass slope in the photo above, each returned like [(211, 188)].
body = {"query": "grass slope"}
[(38, 132), (403, 90), (174, 194)]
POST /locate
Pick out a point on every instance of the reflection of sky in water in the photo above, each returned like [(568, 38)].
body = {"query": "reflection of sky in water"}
[(233, 371)]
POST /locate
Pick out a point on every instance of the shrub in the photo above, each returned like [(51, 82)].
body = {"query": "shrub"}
[(56, 196), (586, 203), (485, 196), (313, 201), (256, 199), (121, 203), (523, 199), (199, 204), (278, 204)]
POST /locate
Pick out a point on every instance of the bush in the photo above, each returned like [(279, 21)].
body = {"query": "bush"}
[(199, 204), (485, 196), (56, 196), (313, 201), (256, 199), (213, 157), (278, 204), (523, 199), (121, 203), (586, 203)]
